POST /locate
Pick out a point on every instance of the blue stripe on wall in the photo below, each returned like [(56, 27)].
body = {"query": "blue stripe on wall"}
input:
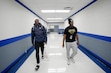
[(99, 61), (18, 62), (22, 58), (11, 40), (105, 38)]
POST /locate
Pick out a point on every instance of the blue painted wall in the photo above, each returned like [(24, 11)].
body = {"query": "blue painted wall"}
[(11, 49), (99, 46)]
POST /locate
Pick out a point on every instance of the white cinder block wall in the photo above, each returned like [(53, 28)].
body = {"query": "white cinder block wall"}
[(15, 20), (95, 19)]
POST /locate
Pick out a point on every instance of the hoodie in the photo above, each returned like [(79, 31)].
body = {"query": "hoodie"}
[(38, 33)]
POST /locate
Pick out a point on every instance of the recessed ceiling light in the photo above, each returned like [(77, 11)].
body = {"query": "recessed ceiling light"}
[(55, 11), (68, 8)]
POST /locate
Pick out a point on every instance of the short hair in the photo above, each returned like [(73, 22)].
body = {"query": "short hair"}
[(69, 20)]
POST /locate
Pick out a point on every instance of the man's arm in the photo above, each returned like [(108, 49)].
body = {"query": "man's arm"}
[(77, 39), (32, 36), (64, 38), (45, 35)]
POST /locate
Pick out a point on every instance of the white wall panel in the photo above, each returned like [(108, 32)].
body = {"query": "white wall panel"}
[(95, 19), (15, 20)]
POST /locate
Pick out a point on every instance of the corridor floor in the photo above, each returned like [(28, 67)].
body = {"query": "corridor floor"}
[(55, 60)]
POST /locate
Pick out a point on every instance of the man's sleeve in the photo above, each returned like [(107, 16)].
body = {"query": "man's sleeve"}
[(45, 35), (65, 31), (32, 35)]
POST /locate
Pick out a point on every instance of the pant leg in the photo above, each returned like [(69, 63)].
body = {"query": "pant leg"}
[(74, 49), (68, 50), (37, 52), (42, 48)]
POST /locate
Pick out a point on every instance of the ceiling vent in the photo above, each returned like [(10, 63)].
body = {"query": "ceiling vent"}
[(68, 8)]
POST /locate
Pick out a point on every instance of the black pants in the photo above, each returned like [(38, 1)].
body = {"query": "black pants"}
[(39, 45)]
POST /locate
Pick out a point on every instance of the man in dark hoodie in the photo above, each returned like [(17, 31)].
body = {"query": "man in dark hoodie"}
[(39, 38)]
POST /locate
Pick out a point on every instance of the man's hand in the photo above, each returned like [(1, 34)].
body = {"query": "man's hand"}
[(63, 45), (78, 43), (45, 43), (64, 37)]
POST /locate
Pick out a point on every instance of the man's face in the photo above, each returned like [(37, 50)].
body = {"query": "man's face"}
[(71, 23), (36, 21)]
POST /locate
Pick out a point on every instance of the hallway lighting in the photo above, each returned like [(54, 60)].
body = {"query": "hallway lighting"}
[(54, 21), (55, 11), (54, 18), (48, 11)]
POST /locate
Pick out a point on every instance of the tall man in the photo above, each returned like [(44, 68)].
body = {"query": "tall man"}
[(72, 40), (39, 38)]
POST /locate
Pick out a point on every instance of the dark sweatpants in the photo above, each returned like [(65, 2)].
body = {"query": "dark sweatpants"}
[(39, 45)]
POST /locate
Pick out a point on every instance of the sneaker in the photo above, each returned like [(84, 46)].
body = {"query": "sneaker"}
[(37, 67), (68, 62), (72, 60), (42, 57)]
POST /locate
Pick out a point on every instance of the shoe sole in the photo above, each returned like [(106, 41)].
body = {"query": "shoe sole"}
[(37, 67)]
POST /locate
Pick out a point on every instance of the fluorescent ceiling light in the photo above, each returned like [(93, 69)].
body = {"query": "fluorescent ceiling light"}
[(48, 11), (54, 18), (55, 11), (54, 21)]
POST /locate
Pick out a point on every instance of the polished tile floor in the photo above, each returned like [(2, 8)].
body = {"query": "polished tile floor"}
[(55, 60)]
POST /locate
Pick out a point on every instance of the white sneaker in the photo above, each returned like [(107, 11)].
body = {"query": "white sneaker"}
[(68, 62), (72, 60), (42, 57)]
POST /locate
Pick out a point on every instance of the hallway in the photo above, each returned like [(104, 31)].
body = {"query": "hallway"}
[(91, 18), (55, 60)]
